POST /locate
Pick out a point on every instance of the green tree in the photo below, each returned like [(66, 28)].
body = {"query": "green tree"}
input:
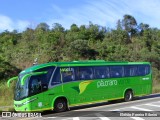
[(119, 25), (130, 24), (43, 26), (80, 49), (142, 27), (74, 28), (58, 27)]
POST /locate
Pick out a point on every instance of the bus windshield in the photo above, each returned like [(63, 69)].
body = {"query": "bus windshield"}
[(21, 91), (33, 82)]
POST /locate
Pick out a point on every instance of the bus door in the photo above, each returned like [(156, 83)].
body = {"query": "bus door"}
[(38, 88), (36, 92)]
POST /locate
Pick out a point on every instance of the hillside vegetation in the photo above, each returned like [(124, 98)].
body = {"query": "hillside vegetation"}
[(129, 41)]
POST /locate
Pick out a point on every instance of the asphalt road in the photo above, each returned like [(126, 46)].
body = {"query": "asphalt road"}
[(143, 108)]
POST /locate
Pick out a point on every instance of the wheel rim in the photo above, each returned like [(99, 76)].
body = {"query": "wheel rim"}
[(129, 96), (60, 105)]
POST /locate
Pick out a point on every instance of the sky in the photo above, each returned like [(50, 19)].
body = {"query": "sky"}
[(20, 14)]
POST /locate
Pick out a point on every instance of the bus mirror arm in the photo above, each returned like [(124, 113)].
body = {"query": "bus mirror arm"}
[(11, 79)]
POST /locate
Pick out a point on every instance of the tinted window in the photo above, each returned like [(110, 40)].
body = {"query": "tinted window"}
[(143, 70), (67, 74), (147, 69), (116, 71), (85, 73), (101, 72), (130, 70), (46, 77), (56, 77), (35, 85)]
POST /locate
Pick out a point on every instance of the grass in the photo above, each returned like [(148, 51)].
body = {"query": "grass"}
[(6, 94), (156, 88)]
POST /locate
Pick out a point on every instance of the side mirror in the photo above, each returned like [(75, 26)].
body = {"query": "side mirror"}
[(13, 78)]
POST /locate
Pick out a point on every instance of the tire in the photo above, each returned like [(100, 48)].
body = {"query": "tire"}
[(60, 105), (128, 96)]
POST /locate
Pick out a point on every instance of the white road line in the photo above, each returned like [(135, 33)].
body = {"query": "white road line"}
[(115, 110), (70, 118), (101, 116), (152, 105), (142, 109), (51, 117), (155, 102), (137, 118), (76, 118)]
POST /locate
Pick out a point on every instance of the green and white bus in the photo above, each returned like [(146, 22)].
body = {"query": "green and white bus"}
[(61, 85)]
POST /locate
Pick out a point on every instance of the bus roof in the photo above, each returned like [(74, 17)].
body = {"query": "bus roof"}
[(81, 63)]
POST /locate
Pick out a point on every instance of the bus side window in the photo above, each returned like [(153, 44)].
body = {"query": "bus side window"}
[(35, 85), (143, 70), (67, 74), (116, 71), (101, 72), (133, 71), (85, 73), (130, 70), (56, 77), (46, 77), (127, 71), (147, 69)]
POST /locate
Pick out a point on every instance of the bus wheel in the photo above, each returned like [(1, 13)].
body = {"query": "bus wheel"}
[(128, 96), (60, 105)]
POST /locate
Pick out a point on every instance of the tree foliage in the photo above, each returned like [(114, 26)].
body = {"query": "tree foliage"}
[(130, 24), (130, 41)]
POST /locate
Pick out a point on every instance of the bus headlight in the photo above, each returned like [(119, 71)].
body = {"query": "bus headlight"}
[(30, 101)]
